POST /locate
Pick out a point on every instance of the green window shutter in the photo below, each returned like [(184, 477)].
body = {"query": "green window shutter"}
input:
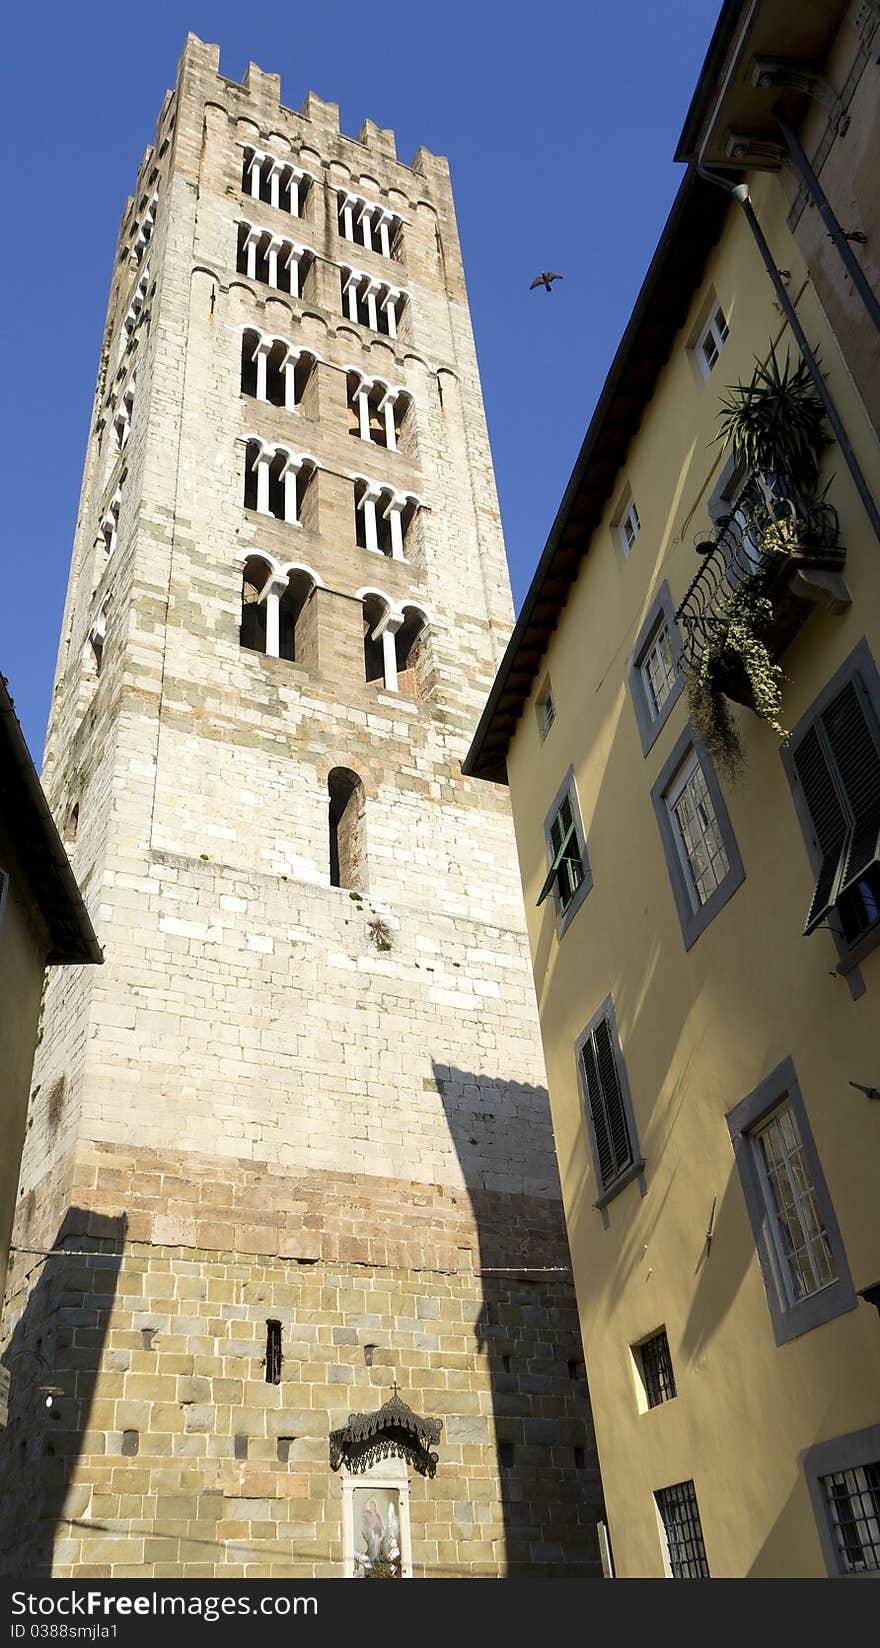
[(558, 855), (613, 1147), (832, 824), (853, 740)]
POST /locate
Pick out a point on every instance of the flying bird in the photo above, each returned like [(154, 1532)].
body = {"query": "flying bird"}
[(544, 280)]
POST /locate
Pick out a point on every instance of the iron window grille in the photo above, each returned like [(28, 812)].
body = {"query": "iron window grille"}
[(614, 1149), (680, 1516), (837, 763), (657, 1374), (803, 1250), (566, 870), (852, 1498)]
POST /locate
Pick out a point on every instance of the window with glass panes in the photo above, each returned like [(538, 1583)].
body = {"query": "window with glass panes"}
[(680, 1516), (712, 340), (803, 1249), (853, 1501), (659, 669), (629, 528), (657, 1374), (697, 832), (567, 865)]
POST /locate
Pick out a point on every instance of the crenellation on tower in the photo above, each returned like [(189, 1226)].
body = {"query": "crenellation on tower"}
[(314, 1036)]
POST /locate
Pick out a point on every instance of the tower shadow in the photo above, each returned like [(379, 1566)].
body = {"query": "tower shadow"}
[(53, 1358), (526, 1327)]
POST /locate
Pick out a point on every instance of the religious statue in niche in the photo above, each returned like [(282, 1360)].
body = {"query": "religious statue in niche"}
[(377, 1533)]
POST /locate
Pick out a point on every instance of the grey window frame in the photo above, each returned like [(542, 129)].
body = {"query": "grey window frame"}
[(650, 726), (789, 1320), (694, 922), (565, 917), (859, 662), (636, 1170), (841, 1453)]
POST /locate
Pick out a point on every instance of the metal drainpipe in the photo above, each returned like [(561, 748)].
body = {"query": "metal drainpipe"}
[(740, 193), (814, 187)]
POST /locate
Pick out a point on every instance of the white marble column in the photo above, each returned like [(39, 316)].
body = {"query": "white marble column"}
[(365, 219), (292, 261), (291, 361), (256, 163), (393, 514), (368, 504), (364, 410), (387, 405), (251, 240), (261, 356), (261, 465), (370, 294), (389, 304), (386, 631), (384, 234), (275, 170), (293, 185), (290, 470), (273, 249), (351, 287), (271, 593), (348, 217)]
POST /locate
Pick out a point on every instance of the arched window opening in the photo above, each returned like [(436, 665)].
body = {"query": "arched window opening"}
[(374, 610), (252, 629), (346, 814), (249, 345), (290, 607), (411, 653)]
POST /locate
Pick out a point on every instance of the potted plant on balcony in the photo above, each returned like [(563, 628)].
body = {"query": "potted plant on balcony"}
[(774, 426)]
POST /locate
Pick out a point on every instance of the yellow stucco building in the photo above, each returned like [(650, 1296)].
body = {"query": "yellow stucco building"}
[(714, 1072)]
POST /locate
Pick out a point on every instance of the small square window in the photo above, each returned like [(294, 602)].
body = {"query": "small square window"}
[(680, 1521), (546, 708), (711, 340), (629, 527), (568, 875), (701, 852), (655, 1363)]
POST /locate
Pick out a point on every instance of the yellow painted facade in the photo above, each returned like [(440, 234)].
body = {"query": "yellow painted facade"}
[(700, 1028)]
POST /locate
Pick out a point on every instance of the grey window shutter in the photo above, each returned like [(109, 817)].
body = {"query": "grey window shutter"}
[(831, 821), (848, 726), (613, 1147)]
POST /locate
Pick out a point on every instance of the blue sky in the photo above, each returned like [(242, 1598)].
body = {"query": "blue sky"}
[(559, 123)]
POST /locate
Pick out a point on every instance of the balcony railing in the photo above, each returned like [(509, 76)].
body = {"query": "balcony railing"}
[(774, 544)]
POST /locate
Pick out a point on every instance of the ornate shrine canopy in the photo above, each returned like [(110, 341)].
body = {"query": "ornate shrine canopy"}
[(392, 1430)]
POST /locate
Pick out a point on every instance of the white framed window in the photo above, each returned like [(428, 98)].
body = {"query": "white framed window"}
[(375, 1522), (696, 832), (659, 667), (628, 527), (711, 340), (804, 1257)]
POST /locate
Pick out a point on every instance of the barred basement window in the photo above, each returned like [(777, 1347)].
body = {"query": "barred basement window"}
[(656, 1365), (680, 1520), (853, 1502), (837, 767), (273, 1353)]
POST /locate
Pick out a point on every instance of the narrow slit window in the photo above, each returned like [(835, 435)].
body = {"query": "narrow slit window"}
[(273, 1353)]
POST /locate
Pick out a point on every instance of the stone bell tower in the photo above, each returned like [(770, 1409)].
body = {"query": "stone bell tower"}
[(290, 1160)]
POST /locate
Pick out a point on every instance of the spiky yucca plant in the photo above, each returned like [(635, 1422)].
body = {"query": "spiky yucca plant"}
[(775, 423)]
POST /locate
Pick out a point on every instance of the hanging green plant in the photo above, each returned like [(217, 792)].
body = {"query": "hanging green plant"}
[(736, 658)]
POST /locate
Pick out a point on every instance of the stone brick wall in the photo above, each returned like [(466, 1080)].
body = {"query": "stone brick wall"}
[(251, 1073)]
